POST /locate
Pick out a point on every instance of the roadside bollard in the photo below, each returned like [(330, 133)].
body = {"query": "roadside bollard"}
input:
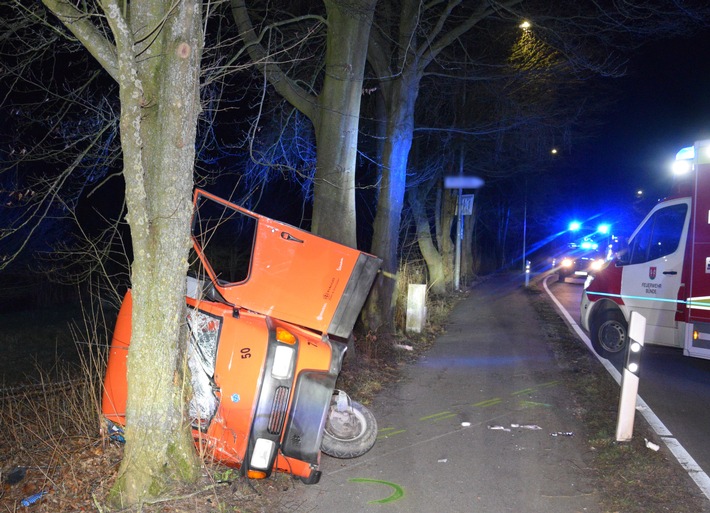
[(527, 273), (630, 378)]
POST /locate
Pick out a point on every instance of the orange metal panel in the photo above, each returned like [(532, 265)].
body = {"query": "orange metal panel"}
[(113, 404), (294, 275)]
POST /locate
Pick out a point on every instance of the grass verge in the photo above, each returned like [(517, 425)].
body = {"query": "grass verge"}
[(630, 477)]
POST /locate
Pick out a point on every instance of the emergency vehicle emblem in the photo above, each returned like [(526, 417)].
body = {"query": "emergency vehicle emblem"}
[(652, 273)]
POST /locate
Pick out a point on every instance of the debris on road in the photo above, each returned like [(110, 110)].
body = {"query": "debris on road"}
[(651, 445), (499, 428), (28, 501), (404, 347), (562, 433), (533, 427)]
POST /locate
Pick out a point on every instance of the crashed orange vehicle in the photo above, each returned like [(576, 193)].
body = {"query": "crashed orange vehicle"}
[(269, 308)]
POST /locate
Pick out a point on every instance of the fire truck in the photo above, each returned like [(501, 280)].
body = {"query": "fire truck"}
[(663, 273), (269, 309)]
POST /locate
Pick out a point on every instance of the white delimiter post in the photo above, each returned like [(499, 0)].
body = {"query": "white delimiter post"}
[(630, 378)]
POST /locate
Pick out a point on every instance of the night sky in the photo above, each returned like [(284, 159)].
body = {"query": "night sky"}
[(663, 106)]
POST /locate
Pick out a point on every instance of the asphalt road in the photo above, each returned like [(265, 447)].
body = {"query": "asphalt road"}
[(447, 436), (675, 387)]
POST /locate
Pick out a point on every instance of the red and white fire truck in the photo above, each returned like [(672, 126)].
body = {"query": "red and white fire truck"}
[(663, 274)]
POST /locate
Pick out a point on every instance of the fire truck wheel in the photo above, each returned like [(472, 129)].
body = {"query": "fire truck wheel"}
[(350, 433), (609, 333)]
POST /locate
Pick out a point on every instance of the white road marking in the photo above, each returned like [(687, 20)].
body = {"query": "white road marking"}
[(696, 473)]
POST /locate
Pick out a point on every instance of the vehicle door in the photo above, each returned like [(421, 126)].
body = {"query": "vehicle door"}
[(279, 270), (652, 269)]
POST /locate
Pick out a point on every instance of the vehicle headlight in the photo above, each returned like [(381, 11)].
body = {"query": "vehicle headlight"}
[(597, 264), (261, 455), (283, 362), (566, 262)]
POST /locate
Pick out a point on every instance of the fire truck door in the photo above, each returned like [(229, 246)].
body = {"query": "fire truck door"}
[(652, 273)]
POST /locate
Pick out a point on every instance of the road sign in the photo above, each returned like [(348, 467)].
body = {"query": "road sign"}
[(463, 182), (466, 204)]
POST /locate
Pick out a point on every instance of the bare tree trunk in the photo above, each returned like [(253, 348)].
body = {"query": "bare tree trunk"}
[(446, 243), (467, 263), (334, 112), (339, 119), (159, 109), (379, 309), (432, 257), (158, 138)]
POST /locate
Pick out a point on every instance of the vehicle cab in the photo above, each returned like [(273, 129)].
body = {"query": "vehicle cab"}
[(664, 273)]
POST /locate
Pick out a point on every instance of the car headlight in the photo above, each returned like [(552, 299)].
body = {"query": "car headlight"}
[(566, 262), (597, 264)]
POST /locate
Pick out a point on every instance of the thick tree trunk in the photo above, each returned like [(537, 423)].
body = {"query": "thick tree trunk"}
[(339, 118), (432, 257), (378, 313), (159, 109), (334, 112)]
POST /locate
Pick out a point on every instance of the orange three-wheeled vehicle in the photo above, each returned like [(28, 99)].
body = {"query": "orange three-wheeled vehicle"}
[(268, 321)]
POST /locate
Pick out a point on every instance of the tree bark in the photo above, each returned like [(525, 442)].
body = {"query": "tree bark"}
[(378, 313), (446, 243), (334, 112), (432, 256), (399, 68), (155, 59)]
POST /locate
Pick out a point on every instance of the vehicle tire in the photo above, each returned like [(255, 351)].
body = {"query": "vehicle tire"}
[(609, 333), (561, 277), (350, 433)]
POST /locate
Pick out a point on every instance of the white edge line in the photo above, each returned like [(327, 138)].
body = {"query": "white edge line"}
[(686, 461)]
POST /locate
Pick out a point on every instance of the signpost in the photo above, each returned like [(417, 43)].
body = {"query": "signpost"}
[(464, 207)]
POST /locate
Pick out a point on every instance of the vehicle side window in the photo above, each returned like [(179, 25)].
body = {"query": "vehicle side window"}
[(659, 236), (226, 239)]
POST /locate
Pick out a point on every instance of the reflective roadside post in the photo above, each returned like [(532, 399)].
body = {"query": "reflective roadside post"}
[(527, 273), (630, 378)]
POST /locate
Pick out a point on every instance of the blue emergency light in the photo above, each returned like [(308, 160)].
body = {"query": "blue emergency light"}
[(684, 161)]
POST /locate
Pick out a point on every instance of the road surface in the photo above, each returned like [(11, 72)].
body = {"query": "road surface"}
[(447, 436)]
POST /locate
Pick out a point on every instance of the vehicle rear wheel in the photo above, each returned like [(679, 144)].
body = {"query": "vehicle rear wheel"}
[(609, 333), (350, 429)]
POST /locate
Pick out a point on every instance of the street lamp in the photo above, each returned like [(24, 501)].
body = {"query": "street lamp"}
[(525, 25)]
